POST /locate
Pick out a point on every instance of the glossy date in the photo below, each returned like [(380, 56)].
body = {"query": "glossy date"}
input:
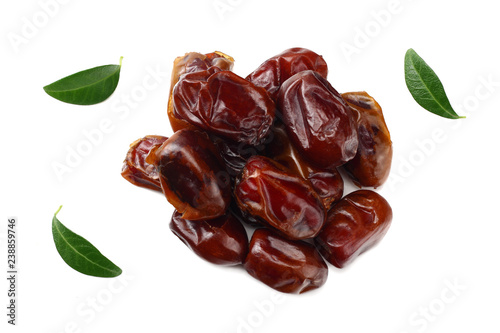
[(263, 154), (224, 104), (372, 163), (189, 63), (285, 265), (271, 74), (192, 175), (282, 199), (136, 168), (318, 121), (354, 224), (327, 183), (221, 241)]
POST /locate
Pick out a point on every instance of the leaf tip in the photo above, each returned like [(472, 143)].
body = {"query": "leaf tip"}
[(409, 52)]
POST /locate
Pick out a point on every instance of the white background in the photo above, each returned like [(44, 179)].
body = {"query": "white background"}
[(437, 268)]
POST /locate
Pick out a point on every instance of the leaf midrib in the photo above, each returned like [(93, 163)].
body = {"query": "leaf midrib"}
[(87, 85), (427, 88), (78, 252)]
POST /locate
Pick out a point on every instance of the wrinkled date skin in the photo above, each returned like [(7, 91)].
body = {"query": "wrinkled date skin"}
[(136, 168), (285, 265), (264, 152), (192, 175), (271, 74), (282, 199), (354, 224), (224, 104), (372, 163), (189, 63), (327, 183), (221, 241), (318, 121)]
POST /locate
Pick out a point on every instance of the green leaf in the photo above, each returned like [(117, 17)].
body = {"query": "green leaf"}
[(425, 86), (87, 87), (79, 254)]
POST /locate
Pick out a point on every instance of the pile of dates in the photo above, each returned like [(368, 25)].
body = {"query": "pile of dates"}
[(264, 152)]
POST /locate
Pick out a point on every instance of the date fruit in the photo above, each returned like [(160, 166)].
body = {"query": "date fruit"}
[(327, 183), (136, 168), (285, 265), (318, 121), (353, 225), (224, 104), (221, 241), (372, 163), (282, 199), (192, 175), (189, 63), (265, 153), (271, 74)]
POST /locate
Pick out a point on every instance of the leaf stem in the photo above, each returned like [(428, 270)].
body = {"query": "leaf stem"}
[(58, 210)]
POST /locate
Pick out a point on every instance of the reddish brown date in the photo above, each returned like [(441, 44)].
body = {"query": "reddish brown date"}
[(271, 74), (318, 121), (224, 104), (266, 151), (282, 199), (192, 175), (221, 241), (189, 63), (327, 183), (136, 169), (354, 224), (372, 163), (285, 265)]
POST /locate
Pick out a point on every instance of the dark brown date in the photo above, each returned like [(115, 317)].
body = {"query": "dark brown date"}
[(285, 265), (192, 175), (189, 63), (136, 168), (285, 201), (318, 121), (265, 152), (327, 183), (354, 224), (271, 74), (372, 163), (221, 241), (224, 104)]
